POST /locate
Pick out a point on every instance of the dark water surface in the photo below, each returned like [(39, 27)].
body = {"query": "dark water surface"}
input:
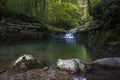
[(50, 50)]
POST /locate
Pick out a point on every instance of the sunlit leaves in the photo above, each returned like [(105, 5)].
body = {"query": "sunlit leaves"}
[(64, 14), (59, 13)]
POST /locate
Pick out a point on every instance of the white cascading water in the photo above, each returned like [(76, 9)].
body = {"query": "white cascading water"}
[(70, 38), (69, 35)]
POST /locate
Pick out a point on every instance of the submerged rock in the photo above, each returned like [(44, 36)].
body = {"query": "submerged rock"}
[(72, 65), (28, 62), (112, 62)]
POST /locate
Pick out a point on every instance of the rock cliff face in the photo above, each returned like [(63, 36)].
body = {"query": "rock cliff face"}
[(23, 31), (15, 26), (105, 30)]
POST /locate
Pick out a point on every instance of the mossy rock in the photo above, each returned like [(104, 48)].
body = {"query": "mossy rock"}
[(28, 62)]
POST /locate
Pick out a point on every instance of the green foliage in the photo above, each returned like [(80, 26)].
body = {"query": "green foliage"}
[(95, 2), (107, 15), (53, 28), (63, 14), (86, 21), (21, 6)]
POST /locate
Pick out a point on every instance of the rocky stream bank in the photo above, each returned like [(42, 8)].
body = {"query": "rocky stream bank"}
[(100, 69)]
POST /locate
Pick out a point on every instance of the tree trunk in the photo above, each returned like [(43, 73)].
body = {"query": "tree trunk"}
[(44, 9), (87, 8), (89, 5), (36, 8), (62, 1)]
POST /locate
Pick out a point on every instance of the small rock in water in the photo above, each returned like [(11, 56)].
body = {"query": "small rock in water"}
[(112, 62), (72, 65)]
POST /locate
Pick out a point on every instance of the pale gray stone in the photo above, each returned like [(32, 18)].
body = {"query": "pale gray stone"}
[(72, 65), (113, 62)]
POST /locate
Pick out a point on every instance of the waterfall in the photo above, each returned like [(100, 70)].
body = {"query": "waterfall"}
[(69, 35)]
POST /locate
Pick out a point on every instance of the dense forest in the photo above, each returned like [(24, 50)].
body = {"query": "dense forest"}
[(61, 14)]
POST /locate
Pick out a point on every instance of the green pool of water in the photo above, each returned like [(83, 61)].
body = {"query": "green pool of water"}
[(50, 50)]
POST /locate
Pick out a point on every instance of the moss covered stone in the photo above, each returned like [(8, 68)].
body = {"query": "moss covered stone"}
[(28, 62)]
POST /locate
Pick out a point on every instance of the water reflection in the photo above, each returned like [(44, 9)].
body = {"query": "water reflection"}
[(60, 50), (80, 78), (51, 50), (70, 40)]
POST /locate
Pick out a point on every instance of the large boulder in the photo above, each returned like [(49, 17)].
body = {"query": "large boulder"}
[(111, 62), (72, 65), (29, 62)]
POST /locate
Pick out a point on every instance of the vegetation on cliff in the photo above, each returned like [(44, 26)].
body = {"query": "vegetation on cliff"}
[(105, 29), (61, 14)]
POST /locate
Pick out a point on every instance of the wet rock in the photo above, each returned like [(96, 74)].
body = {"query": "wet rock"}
[(115, 43), (57, 34), (72, 65), (37, 74), (22, 31), (94, 26), (2, 70), (28, 62), (111, 62), (73, 30)]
